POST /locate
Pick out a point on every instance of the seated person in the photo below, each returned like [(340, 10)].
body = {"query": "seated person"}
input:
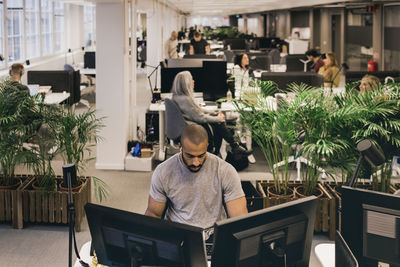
[(198, 45), (196, 184), (369, 83), (241, 73), (330, 71), (182, 95), (16, 72), (315, 57)]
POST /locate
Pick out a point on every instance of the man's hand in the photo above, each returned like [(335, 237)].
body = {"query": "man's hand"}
[(155, 208), (221, 117), (236, 207)]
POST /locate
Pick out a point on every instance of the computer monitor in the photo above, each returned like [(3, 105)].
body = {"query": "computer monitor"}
[(214, 80), (236, 43), (371, 225), (293, 62), (122, 238), (343, 254), (284, 79), (200, 56), (89, 60), (259, 61), (267, 237), (168, 76)]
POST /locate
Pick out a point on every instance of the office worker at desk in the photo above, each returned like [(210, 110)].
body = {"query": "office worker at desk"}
[(182, 95), (369, 83), (171, 46), (315, 57), (195, 184), (330, 71), (198, 45), (241, 73), (16, 72)]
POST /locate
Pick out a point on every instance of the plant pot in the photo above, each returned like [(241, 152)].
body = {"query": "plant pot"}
[(298, 190), (271, 193), (74, 189), (13, 186)]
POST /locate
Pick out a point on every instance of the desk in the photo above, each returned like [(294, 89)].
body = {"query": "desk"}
[(88, 71), (55, 98), (325, 253), (84, 253)]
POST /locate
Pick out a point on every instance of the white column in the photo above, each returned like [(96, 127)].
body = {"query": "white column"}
[(112, 90)]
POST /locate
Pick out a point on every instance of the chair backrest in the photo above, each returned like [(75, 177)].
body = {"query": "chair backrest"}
[(68, 67), (174, 120)]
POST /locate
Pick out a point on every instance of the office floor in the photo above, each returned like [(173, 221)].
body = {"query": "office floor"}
[(47, 245)]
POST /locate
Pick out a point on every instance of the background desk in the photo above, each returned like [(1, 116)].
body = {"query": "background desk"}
[(55, 98)]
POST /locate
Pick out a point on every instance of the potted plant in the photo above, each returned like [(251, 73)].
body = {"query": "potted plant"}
[(77, 135)]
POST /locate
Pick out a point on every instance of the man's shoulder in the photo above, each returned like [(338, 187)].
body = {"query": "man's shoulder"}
[(169, 162), (222, 164)]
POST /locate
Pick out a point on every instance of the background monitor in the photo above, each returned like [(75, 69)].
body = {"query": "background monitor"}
[(236, 43), (89, 60), (122, 238), (284, 79), (261, 238), (371, 225), (214, 80), (259, 61), (168, 76), (293, 62), (200, 56)]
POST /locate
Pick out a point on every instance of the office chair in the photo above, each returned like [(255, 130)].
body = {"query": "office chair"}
[(174, 122)]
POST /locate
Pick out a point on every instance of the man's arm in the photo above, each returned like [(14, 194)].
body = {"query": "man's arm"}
[(155, 208), (191, 50), (207, 49), (236, 207)]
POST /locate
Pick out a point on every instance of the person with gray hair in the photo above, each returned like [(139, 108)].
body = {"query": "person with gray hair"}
[(182, 95), (193, 186)]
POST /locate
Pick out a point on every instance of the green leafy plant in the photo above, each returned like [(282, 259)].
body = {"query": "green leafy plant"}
[(17, 125), (77, 135)]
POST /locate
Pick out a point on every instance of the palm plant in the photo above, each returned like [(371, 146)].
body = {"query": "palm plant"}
[(77, 135), (17, 124), (272, 132)]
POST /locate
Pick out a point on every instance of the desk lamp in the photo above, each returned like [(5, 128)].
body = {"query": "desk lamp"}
[(369, 152), (155, 96)]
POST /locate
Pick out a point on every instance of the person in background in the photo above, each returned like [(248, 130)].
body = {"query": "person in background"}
[(16, 72), (315, 57), (198, 45), (195, 187), (241, 73), (369, 83), (171, 46), (330, 71), (182, 95)]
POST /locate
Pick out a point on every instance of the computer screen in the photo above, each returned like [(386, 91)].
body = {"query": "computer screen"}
[(371, 225), (293, 62), (168, 76), (214, 80), (89, 60), (259, 61), (122, 238), (200, 56), (236, 43), (267, 237)]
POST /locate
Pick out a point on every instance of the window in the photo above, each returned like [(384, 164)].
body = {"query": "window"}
[(32, 13), (47, 27), (15, 21), (59, 26), (2, 52), (392, 36), (89, 15)]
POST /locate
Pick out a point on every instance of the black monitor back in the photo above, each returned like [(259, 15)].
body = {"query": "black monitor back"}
[(236, 43), (343, 254), (284, 79), (89, 60), (293, 62), (355, 76), (238, 238), (200, 56), (259, 61), (168, 76), (115, 233), (214, 80), (374, 240)]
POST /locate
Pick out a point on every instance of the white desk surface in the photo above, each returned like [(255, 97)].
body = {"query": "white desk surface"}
[(87, 71), (224, 107), (325, 253), (55, 98)]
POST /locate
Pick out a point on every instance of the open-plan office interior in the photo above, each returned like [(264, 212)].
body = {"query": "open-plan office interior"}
[(111, 58)]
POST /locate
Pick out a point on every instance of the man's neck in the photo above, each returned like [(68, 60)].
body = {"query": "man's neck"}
[(15, 79)]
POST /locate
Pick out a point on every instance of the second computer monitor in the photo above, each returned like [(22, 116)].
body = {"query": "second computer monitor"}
[(267, 237)]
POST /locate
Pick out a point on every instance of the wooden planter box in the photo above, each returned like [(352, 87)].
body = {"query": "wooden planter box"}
[(11, 204), (254, 199), (335, 190), (325, 220), (51, 207)]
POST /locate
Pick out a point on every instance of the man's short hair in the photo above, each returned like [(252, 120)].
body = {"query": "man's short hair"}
[(197, 34), (195, 133), (15, 68), (312, 53)]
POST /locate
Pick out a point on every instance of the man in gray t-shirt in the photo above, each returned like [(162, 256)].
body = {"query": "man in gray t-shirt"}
[(194, 185)]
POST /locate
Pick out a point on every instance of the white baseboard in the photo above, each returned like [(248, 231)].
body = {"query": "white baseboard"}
[(107, 166)]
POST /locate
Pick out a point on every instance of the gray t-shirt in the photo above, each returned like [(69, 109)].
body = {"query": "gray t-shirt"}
[(195, 198)]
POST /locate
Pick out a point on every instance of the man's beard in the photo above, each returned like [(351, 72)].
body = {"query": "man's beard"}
[(198, 168)]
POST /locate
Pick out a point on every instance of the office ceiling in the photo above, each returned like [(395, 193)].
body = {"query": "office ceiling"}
[(230, 7)]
